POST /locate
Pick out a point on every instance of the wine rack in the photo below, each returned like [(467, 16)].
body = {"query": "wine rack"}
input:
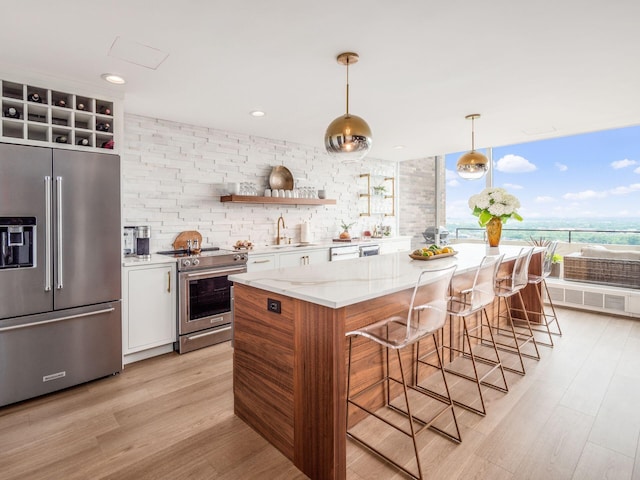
[(59, 119)]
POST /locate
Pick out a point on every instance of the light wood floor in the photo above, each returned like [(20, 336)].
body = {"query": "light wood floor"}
[(576, 415)]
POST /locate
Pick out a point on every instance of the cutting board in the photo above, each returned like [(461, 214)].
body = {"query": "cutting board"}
[(180, 243)]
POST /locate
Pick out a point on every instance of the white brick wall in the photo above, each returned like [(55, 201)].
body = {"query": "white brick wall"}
[(417, 179), (174, 175)]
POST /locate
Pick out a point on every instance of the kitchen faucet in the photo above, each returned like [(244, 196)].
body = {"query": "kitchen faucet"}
[(279, 237)]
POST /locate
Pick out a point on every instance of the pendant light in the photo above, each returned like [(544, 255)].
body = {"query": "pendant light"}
[(348, 137), (472, 165)]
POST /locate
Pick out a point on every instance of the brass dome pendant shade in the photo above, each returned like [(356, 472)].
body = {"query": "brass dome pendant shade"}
[(348, 137), (472, 165)]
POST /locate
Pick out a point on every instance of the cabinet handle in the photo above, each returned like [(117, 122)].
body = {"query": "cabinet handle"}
[(262, 261), (169, 282)]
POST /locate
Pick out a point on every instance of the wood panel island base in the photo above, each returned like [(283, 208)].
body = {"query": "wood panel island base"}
[(289, 361)]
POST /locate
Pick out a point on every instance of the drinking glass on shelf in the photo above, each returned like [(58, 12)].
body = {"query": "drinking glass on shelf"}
[(267, 192), (281, 193), (275, 193)]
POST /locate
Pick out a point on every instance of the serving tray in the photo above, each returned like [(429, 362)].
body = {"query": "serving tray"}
[(432, 257)]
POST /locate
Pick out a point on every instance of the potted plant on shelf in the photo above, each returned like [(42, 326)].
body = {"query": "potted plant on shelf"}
[(379, 190), (345, 235)]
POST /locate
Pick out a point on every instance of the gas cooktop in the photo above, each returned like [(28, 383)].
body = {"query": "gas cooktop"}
[(204, 251), (206, 258)]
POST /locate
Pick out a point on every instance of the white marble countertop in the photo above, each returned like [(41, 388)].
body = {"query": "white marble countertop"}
[(262, 249), (155, 259), (338, 284)]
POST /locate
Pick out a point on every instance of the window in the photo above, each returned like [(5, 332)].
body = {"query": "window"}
[(587, 181)]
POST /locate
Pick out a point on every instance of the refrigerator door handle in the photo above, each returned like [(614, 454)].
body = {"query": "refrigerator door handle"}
[(47, 234), (59, 284), (55, 320)]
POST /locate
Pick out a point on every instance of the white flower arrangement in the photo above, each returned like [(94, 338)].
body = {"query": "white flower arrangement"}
[(494, 202)]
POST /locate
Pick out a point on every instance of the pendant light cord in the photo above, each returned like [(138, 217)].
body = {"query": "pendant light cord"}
[(347, 86), (473, 143)]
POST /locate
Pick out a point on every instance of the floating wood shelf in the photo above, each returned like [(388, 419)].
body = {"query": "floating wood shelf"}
[(276, 200)]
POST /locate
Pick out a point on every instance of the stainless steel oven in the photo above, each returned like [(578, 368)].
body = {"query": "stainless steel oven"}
[(205, 297)]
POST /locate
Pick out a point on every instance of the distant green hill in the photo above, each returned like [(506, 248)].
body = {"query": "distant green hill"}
[(623, 231)]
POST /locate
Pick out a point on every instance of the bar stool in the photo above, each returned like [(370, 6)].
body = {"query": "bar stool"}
[(424, 319), (539, 281), (508, 287), (471, 303)]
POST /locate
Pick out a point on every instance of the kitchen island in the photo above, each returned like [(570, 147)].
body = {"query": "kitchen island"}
[(289, 359)]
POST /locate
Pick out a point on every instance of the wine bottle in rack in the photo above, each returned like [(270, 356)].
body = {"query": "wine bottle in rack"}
[(61, 103), (61, 139), (108, 144), (103, 127), (80, 106), (83, 142), (105, 110), (34, 97), (11, 112)]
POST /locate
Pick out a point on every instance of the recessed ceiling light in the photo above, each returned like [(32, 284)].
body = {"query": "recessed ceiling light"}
[(112, 78), (398, 147), (257, 113)]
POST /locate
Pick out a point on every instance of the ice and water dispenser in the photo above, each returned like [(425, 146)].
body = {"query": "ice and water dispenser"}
[(17, 242)]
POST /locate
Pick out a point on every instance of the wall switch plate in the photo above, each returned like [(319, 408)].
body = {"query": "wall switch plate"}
[(274, 305)]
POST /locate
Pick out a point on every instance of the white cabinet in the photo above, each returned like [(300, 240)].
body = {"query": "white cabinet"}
[(394, 245), (260, 262), (306, 257), (149, 310)]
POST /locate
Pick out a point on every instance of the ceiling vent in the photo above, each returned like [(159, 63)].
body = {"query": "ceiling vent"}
[(136, 53)]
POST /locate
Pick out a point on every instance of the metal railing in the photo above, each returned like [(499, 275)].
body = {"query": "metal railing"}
[(582, 235)]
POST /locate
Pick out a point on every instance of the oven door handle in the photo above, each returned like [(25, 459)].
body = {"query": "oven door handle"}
[(215, 272), (206, 334)]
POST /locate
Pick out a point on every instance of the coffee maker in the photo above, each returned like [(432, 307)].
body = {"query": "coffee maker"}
[(143, 237), (136, 241)]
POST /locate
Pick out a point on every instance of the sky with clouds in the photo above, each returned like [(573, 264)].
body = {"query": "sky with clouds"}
[(595, 175)]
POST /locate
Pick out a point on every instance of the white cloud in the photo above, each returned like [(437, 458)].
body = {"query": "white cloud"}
[(514, 164), (543, 199), (625, 190), (512, 186), (561, 166), (585, 195), (637, 170), (452, 178), (591, 194), (623, 163)]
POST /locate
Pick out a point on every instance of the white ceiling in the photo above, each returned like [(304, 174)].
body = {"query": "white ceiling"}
[(532, 69)]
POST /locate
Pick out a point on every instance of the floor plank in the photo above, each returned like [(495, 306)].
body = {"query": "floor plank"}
[(574, 415)]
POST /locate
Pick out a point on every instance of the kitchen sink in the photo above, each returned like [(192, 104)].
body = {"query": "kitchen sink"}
[(292, 245)]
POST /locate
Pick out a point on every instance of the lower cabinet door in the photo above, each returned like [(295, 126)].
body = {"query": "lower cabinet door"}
[(150, 307), (308, 257)]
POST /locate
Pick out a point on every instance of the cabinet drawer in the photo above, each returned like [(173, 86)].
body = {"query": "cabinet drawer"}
[(257, 263)]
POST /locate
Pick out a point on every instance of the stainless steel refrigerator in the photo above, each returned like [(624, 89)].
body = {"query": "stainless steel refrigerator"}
[(60, 256)]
